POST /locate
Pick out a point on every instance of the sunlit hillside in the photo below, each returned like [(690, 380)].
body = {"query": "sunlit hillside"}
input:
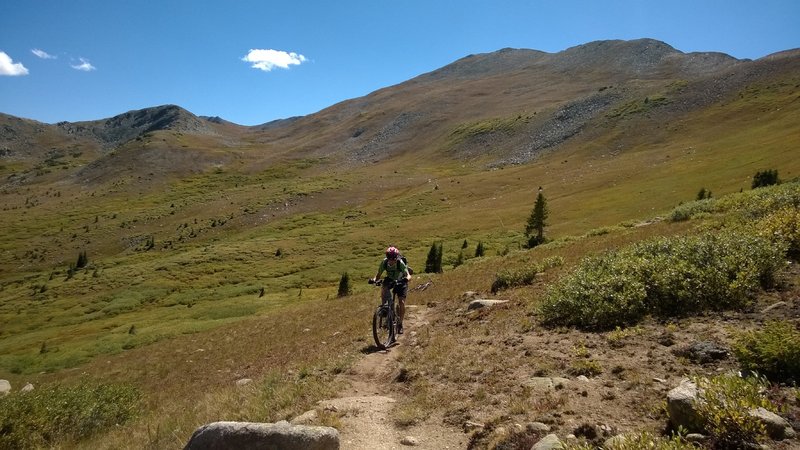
[(213, 251)]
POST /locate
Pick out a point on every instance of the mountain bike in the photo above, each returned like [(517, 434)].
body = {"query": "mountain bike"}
[(384, 321)]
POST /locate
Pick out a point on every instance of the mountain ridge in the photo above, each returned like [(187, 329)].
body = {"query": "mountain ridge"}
[(447, 112)]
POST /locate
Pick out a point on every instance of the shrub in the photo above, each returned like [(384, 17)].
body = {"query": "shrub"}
[(692, 210), (509, 278), (765, 178), (54, 414), (725, 402), (773, 351), (784, 226), (643, 440), (665, 276)]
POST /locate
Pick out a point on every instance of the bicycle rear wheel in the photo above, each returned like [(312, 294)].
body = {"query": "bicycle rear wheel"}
[(383, 327)]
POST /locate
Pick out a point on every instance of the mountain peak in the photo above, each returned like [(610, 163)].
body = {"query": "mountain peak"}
[(129, 125)]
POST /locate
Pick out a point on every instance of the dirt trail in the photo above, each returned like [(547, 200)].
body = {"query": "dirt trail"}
[(366, 404)]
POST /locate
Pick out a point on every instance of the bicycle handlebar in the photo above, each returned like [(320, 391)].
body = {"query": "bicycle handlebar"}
[(382, 280)]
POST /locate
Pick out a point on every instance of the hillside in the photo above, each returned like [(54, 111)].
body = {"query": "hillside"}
[(212, 247)]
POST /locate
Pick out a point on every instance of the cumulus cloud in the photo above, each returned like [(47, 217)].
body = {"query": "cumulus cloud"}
[(269, 59), (42, 54), (85, 65), (9, 67)]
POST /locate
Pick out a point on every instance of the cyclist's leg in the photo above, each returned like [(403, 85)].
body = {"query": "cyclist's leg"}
[(402, 292), (386, 294)]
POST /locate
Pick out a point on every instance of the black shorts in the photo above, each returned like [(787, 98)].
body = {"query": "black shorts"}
[(401, 289)]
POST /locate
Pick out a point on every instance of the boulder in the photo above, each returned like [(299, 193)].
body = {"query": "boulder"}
[(253, 436), (483, 303), (549, 442), (702, 352), (681, 403), (777, 427), (5, 387)]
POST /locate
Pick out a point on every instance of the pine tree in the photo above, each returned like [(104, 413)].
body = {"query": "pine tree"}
[(537, 221), (82, 260), (433, 264), (765, 178), (344, 285), (465, 244), (479, 250)]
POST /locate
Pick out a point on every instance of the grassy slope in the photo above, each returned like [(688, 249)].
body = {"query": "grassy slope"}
[(324, 223)]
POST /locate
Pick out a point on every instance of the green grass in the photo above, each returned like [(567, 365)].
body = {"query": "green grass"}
[(216, 234)]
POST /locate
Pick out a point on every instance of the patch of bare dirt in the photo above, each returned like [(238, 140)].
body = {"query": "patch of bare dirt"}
[(364, 407)]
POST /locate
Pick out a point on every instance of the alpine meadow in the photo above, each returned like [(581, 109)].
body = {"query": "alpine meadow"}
[(162, 270)]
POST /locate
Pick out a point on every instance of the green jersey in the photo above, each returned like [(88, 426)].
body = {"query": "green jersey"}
[(395, 272)]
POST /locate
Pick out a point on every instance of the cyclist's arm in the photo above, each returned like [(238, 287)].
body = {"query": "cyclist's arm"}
[(380, 271), (406, 273)]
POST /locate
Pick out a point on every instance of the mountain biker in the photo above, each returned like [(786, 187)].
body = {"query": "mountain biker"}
[(397, 270)]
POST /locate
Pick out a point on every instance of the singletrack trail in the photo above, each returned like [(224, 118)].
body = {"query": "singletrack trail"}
[(365, 405)]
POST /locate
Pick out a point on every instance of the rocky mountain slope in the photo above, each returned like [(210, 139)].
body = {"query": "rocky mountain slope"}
[(494, 109)]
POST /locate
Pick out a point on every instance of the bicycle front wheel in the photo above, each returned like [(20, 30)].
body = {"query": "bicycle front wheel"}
[(382, 327)]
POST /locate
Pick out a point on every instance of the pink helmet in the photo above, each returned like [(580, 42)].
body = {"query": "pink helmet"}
[(392, 253)]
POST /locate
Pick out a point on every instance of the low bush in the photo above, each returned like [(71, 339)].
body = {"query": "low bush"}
[(748, 205), (665, 276), (510, 278), (643, 440), (773, 351), (725, 402), (51, 415), (506, 279), (692, 210), (783, 225)]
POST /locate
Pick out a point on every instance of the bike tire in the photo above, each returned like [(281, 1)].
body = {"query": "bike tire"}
[(383, 327)]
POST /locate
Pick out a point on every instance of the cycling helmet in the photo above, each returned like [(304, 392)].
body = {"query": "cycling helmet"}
[(392, 253)]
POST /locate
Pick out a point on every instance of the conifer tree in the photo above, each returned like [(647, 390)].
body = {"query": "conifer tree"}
[(433, 263), (344, 285), (479, 250), (537, 221)]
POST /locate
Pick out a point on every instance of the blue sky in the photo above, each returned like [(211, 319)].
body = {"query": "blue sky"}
[(255, 61)]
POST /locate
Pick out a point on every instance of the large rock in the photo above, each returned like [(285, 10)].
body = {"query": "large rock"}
[(777, 427), (5, 387), (681, 403), (262, 436), (484, 303), (549, 442)]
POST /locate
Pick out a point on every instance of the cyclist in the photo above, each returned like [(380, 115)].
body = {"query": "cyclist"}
[(397, 270)]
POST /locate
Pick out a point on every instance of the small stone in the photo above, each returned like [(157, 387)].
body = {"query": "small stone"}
[(27, 388), (244, 382), (410, 441), (307, 418), (538, 427), (774, 306), (696, 437), (470, 425), (583, 378)]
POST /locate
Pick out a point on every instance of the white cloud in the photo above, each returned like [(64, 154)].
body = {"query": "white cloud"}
[(9, 67), (42, 54), (267, 60), (85, 65)]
